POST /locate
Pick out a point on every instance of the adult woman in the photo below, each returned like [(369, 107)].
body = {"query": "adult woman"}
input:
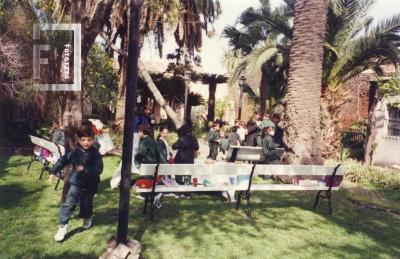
[(252, 129)]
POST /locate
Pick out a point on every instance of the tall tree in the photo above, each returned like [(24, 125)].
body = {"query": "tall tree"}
[(92, 17), (190, 18), (212, 80), (261, 37), (351, 46), (303, 99)]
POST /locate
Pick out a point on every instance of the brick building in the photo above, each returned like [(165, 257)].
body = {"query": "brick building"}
[(362, 89)]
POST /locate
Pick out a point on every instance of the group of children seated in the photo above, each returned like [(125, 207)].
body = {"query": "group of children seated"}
[(259, 132)]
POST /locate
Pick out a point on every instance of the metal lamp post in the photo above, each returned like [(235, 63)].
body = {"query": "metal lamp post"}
[(242, 82), (187, 78)]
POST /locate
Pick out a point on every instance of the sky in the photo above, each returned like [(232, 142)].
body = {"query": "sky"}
[(213, 48)]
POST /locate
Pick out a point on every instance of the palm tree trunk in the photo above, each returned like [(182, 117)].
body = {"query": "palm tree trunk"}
[(212, 88), (303, 99), (158, 97), (189, 116), (263, 94)]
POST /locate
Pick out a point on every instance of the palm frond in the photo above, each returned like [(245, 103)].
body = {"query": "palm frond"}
[(240, 40), (389, 25), (276, 21), (236, 72), (352, 18), (208, 79), (259, 56), (362, 54), (255, 98)]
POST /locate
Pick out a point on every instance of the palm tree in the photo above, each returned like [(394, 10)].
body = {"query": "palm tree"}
[(260, 41), (212, 80), (303, 102), (185, 15), (351, 46)]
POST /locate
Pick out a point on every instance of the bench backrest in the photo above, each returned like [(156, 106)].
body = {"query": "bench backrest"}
[(56, 150), (238, 169)]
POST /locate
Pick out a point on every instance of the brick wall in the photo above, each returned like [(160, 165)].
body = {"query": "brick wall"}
[(356, 109)]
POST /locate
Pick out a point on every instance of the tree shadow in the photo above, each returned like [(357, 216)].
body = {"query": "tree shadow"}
[(19, 193)]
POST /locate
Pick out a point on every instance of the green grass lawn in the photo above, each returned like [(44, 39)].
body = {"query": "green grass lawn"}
[(283, 225)]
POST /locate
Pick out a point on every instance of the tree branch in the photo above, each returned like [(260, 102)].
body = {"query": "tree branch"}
[(112, 45)]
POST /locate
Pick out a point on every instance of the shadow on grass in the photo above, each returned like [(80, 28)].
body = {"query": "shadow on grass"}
[(274, 210), (19, 192), (203, 218)]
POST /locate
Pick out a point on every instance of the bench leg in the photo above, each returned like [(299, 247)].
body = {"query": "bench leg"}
[(328, 196), (152, 206), (58, 182), (146, 199), (238, 200), (317, 199), (248, 211), (329, 203), (33, 158), (41, 173)]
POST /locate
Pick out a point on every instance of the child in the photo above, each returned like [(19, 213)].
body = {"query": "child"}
[(278, 137), (241, 131), (234, 137), (163, 145), (224, 143), (87, 165), (268, 144), (187, 147), (213, 141), (57, 134), (147, 152)]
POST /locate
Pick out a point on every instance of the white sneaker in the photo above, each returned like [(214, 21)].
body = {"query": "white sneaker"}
[(157, 201), (61, 232), (87, 223)]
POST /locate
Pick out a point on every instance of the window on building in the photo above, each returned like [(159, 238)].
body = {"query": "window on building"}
[(394, 121)]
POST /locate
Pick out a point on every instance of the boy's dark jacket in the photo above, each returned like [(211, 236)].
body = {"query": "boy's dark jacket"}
[(163, 149), (148, 152), (269, 148), (91, 160), (186, 146)]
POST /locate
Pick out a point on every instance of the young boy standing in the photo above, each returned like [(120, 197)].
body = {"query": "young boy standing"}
[(213, 140), (87, 165)]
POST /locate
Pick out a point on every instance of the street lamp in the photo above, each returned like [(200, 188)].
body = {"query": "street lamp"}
[(187, 78), (242, 82)]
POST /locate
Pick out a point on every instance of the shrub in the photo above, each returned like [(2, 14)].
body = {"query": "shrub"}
[(353, 140), (385, 179)]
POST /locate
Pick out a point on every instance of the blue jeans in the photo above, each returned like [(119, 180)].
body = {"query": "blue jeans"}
[(77, 195)]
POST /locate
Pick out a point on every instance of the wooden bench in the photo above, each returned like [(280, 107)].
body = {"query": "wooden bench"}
[(56, 151), (235, 170)]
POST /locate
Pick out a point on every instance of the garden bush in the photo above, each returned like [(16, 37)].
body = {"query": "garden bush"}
[(385, 179)]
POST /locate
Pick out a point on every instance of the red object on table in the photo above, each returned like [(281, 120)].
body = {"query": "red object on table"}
[(147, 183), (195, 182)]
